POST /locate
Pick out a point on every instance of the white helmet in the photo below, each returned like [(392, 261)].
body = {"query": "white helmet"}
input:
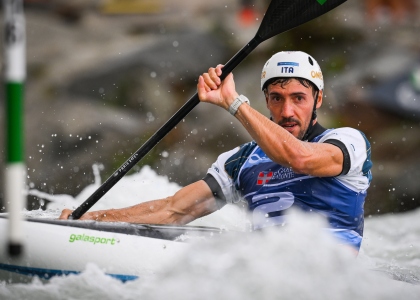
[(292, 64)]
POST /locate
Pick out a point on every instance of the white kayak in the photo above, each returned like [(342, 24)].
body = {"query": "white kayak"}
[(122, 250)]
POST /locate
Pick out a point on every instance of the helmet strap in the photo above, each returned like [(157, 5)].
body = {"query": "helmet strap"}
[(313, 118)]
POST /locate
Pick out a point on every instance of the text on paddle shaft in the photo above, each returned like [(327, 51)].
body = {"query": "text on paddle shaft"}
[(129, 161)]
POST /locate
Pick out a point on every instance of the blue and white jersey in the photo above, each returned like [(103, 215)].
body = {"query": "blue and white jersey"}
[(269, 189)]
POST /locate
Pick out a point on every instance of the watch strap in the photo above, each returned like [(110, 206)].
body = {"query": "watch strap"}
[(233, 108)]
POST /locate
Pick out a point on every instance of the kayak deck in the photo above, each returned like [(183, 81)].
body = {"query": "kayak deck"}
[(125, 251), (165, 232)]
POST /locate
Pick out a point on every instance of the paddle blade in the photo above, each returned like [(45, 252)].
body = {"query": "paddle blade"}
[(283, 15)]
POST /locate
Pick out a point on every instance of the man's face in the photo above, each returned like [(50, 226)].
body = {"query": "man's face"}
[(291, 106)]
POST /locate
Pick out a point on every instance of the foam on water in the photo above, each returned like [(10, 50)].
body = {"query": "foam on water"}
[(299, 261), (140, 187)]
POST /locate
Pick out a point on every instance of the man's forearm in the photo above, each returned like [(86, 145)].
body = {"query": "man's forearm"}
[(151, 212), (189, 203)]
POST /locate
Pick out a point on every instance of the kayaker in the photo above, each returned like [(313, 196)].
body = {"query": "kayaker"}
[(292, 161)]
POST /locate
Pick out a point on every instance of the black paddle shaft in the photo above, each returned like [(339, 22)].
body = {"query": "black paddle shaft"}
[(155, 138), (281, 15)]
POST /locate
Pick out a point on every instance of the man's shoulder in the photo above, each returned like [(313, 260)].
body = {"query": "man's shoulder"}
[(349, 130), (342, 133), (236, 159), (318, 132)]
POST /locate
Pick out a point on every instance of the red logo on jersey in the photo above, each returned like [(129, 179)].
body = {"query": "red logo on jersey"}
[(264, 177)]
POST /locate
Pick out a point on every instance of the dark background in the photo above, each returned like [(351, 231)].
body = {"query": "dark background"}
[(103, 76)]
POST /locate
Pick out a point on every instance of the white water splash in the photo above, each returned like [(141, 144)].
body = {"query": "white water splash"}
[(299, 261)]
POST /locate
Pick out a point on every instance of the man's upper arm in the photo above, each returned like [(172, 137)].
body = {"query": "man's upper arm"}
[(193, 201), (355, 147), (225, 184), (346, 157), (216, 190), (358, 175)]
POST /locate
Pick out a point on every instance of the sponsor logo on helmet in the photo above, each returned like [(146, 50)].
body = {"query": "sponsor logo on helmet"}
[(288, 63), (316, 74), (263, 74), (287, 66)]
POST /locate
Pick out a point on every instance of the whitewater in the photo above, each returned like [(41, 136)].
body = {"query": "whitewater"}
[(298, 261)]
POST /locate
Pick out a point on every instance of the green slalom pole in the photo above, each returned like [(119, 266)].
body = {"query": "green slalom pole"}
[(14, 76)]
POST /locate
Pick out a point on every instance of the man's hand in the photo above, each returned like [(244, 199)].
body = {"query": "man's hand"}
[(212, 90), (65, 214), (87, 216)]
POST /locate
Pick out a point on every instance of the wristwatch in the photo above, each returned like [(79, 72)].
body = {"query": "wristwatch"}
[(233, 108)]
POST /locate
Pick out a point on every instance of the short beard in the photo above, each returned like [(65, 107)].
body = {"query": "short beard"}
[(293, 120)]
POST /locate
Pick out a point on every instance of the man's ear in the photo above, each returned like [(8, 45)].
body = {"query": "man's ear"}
[(319, 100)]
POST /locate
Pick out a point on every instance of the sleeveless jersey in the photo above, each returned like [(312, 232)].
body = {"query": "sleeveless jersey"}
[(269, 189)]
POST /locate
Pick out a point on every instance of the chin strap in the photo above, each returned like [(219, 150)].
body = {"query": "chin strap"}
[(311, 123)]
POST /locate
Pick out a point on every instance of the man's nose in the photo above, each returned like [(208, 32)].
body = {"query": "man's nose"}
[(287, 109)]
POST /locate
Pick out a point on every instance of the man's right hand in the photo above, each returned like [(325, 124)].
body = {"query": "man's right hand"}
[(212, 90)]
